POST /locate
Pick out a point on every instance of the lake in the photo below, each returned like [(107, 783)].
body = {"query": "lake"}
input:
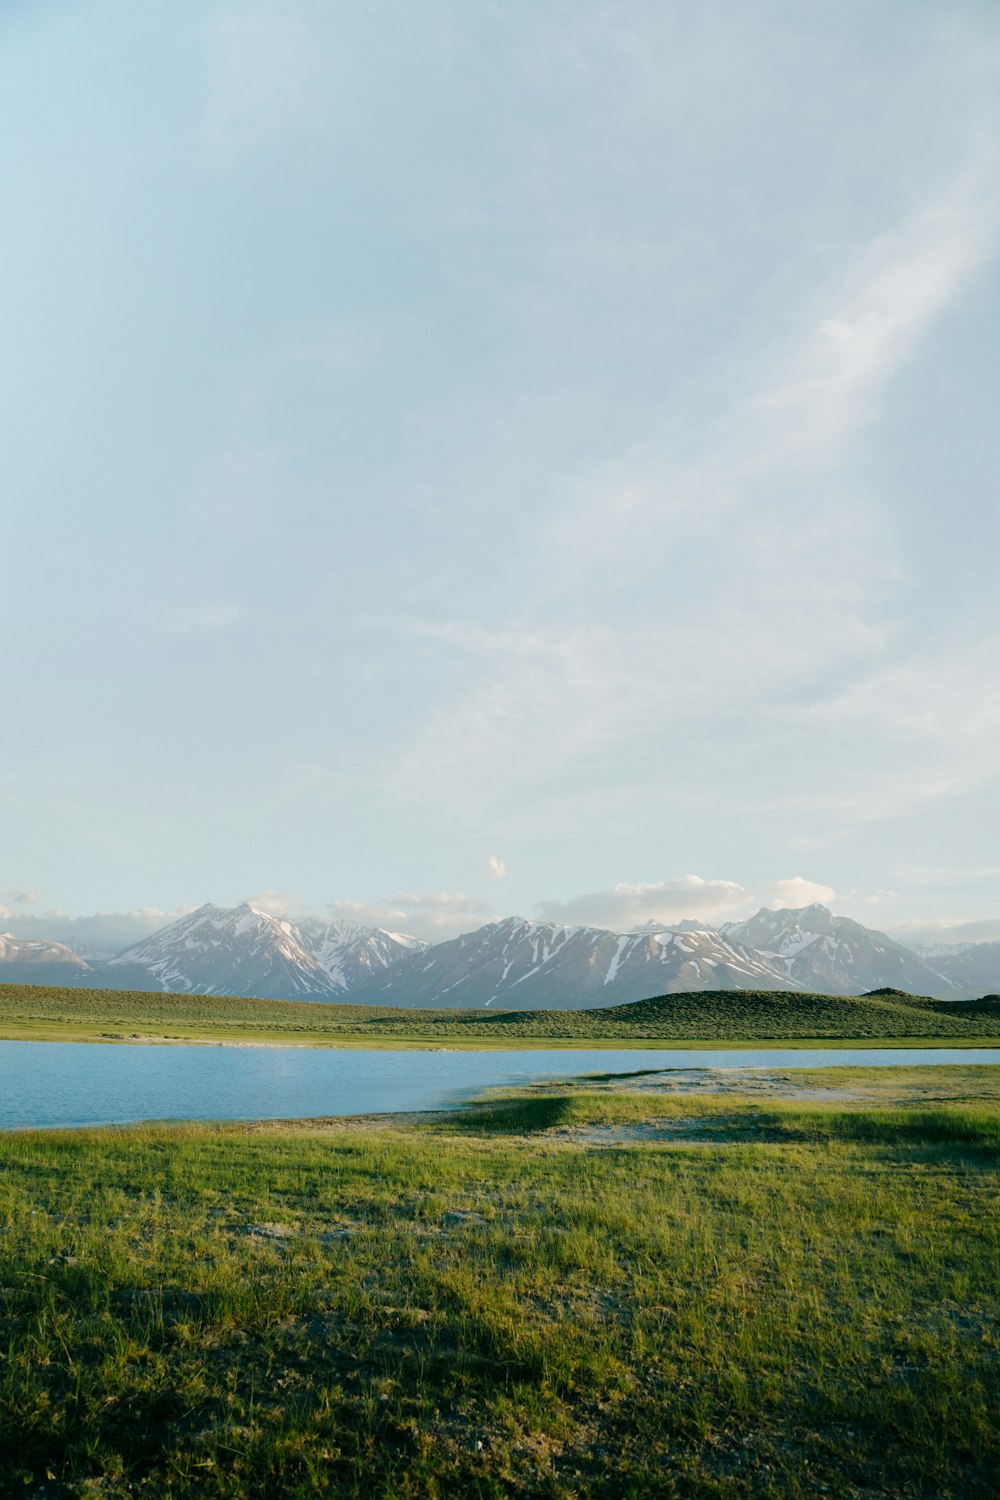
[(83, 1083)]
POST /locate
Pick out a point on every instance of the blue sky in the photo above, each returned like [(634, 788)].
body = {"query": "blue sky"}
[(470, 458)]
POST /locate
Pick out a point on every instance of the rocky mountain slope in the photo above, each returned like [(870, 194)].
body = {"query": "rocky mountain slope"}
[(835, 955), (223, 951), (527, 965), (25, 961), (972, 968), (352, 956), (240, 950)]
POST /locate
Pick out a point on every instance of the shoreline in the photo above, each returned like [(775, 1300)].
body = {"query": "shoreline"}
[(68, 1034), (809, 1082), (857, 1085)]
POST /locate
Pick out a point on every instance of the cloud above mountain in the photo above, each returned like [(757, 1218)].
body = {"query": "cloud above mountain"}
[(434, 915), (100, 935), (796, 891), (933, 931), (625, 906), (275, 903)]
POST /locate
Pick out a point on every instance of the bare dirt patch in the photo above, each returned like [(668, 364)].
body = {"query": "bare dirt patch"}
[(765, 1083)]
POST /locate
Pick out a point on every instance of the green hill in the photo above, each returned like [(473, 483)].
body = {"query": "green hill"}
[(751, 1015), (45, 1012)]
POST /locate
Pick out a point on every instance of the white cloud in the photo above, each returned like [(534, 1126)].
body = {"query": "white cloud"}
[(626, 906), (275, 903), (796, 891), (99, 935), (22, 897), (496, 868), (435, 915), (947, 930)]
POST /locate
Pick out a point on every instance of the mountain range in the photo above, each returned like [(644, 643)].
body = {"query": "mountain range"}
[(507, 964)]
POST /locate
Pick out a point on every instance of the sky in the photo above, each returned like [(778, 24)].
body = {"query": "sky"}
[(476, 458)]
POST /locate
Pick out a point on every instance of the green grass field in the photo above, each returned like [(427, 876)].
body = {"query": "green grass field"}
[(570, 1291), (38, 1012)]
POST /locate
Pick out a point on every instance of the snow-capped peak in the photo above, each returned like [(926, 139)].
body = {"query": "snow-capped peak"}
[(243, 950)]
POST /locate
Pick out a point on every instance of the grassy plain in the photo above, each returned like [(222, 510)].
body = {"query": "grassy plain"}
[(601, 1289), (727, 1017)]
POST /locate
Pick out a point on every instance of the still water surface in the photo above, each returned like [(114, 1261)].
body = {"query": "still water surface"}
[(85, 1083)]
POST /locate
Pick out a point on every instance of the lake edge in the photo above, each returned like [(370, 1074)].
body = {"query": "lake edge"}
[(82, 1085)]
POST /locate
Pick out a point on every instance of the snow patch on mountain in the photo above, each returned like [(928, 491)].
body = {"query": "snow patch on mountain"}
[(541, 965), (40, 961), (242, 950), (835, 955)]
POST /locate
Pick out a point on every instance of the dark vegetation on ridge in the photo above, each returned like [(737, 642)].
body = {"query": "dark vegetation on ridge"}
[(707, 1015), (747, 1015)]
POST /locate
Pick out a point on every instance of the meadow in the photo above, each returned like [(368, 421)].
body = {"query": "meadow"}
[(601, 1288), (40, 1012)]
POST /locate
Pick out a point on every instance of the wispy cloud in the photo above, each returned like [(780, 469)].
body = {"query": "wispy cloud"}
[(496, 868), (933, 712), (897, 288), (748, 582)]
